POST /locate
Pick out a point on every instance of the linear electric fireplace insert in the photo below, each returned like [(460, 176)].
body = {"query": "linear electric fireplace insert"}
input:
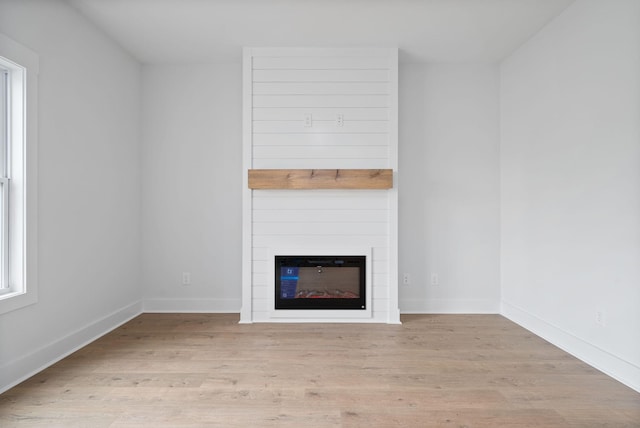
[(320, 282)]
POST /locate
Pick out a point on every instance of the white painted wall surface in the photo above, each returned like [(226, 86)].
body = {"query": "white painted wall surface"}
[(192, 151), (570, 109), (88, 190), (192, 187), (449, 193)]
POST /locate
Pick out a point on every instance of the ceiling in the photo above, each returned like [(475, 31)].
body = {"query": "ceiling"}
[(196, 31)]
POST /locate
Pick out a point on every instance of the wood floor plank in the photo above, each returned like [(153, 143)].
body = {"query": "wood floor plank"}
[(206, 370)]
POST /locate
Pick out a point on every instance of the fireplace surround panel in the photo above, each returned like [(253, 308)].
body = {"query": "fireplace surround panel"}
[(320, 170)]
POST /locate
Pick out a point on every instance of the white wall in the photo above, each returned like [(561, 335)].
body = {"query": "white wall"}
[(449, 209), (192, 187), (449, 188), (88, 187), (570, 155)]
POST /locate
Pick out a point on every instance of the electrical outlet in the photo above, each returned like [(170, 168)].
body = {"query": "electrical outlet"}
[(308, 120), (406, 279), (186, 278), (435, 280), (601, 318), (340, 120)]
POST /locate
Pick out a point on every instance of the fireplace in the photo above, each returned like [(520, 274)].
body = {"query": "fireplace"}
[(320, 167), (340, 292), (320, 282)]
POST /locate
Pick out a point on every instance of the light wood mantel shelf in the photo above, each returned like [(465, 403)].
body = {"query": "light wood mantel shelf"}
[(320, 178)]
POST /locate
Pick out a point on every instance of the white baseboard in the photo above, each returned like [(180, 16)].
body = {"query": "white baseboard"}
[(220, 306), (16, 371), (612, 365), (449, 306), (393, 317)]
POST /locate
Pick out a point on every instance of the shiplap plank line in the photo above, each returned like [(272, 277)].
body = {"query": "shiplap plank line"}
[(370, 200), (322, 113), (380, 280), (261, 293), (297, 152), (261, 266), (314, 152), (320, 76), (320, 140), (260, 279), (357, 199), (324, 229), (322, 126), (319, 215), (320, 88), (321, 163), (303, 101), (323, 52), (259, 253), (320, 63), (324, 241)]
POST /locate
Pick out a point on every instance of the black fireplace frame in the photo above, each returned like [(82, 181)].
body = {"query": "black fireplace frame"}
[(325, 261)]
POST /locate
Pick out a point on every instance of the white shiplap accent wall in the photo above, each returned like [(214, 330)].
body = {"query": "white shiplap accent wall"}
[(281, 87)]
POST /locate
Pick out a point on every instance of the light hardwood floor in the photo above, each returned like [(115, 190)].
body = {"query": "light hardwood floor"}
[(204, 370)]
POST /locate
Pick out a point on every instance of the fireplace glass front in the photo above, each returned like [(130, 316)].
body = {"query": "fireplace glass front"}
[(320, 282)]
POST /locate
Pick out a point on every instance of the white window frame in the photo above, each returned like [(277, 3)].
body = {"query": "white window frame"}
[(5, 122), (18, 177)]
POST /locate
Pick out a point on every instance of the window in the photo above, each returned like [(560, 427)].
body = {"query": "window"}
[(18, 96), (4, 179)]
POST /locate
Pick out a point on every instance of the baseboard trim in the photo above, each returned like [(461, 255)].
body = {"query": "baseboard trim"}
[(449, 306), (220, 306), (19, 370), (621, 370)]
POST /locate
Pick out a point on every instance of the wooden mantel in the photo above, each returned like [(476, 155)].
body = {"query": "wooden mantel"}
[(320, 178)]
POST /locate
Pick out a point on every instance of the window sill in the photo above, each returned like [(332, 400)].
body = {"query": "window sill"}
[(12, 300)]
